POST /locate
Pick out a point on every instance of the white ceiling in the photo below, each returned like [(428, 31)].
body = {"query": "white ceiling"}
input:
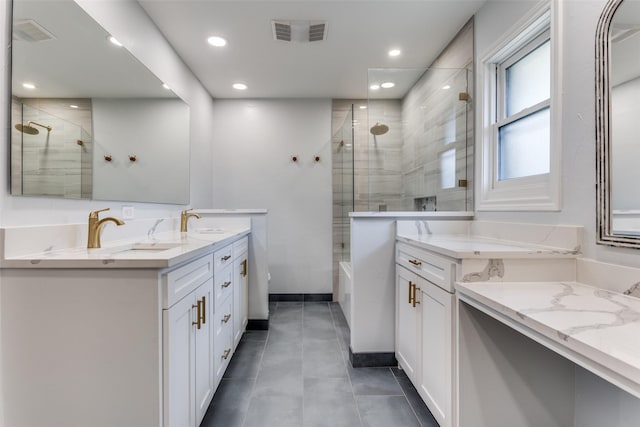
[(360, 32), (79, 62)]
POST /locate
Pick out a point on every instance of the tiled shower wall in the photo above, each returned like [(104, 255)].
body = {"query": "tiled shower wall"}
[(436, 121)]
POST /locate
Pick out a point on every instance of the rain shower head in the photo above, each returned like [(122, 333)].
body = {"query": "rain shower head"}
[(29, 129), (379, 129)]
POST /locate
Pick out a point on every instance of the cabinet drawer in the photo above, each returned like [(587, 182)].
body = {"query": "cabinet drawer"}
[(222, 258), (178, 283), (223, 337), (430, 266), (223, 284), (240, 246)]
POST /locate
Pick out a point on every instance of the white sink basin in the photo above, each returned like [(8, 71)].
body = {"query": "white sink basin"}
[(211, 231), (154, 246)]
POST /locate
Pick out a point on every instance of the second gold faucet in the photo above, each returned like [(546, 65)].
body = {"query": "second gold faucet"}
[(95, 227), (184, 218)]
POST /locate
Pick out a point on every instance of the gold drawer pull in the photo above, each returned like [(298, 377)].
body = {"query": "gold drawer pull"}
[(244, 268), (226, 318), (198, 315), (226, 354), (415, 262), (204, 310), (225, 258), (226, 284), (415, 289)]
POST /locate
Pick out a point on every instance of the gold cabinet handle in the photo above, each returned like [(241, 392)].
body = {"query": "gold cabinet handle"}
[(198, 315), (226, 353), (225, 258), (226, 318), (226, 284), (410, 287), (415, 262), (204, 310), (415, 289), (244, 268)]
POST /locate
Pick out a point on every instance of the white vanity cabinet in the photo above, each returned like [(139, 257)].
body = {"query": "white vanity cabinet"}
[(142, 346), (240, 288), (188, 344), (425, 325)]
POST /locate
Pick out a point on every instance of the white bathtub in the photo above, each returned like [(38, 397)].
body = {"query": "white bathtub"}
[(344, 289)]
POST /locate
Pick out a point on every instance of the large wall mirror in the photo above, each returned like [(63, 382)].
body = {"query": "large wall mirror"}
[(618, 123), (88, 120)]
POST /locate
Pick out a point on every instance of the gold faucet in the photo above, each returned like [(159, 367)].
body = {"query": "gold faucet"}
[(95, 227), (184, 218)]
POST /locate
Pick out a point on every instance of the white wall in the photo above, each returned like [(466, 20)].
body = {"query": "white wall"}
[(156, 132), (578, 168), (252, 168), (127, 21)]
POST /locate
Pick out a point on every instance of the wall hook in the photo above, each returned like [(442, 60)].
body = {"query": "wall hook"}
[(132, 158), (108, 157), (316, 158), (294, 158)]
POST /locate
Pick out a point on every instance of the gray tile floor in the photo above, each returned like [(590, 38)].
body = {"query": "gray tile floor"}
[(298, 374)]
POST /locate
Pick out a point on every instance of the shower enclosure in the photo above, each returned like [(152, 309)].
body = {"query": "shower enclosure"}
[(55, 162), (405, 148)]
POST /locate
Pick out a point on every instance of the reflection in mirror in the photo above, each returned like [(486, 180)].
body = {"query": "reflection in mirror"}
[(76, 98)]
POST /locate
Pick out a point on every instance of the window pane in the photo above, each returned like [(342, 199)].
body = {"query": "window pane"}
[(448, 169), (523, 147), (529, 80)]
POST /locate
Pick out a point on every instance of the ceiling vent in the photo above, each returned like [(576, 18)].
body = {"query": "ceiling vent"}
[(29, 30), (299, 31)]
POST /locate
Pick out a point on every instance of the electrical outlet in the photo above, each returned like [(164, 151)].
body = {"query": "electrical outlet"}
[(128, 212)]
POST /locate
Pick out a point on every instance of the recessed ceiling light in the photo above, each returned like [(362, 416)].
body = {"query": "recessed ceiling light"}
[(166, 86), (217, 41), (446, 87), (395, 52), (374, 87), (73, 106), (363, 107), (28, 85), (240, 86), (387, 85), (114, 41)]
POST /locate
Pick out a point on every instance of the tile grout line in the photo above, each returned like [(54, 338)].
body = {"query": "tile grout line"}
[(353, 394), (255, 381), (406, 398), (302, 362)]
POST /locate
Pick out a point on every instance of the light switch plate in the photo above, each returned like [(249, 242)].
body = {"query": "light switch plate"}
[(128, 212)]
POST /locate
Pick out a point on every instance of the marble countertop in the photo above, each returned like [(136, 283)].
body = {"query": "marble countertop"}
[(166, 249), (596, 328), (465, 247)]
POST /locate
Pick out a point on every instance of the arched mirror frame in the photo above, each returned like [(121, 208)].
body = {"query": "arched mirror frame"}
[(606, 234)]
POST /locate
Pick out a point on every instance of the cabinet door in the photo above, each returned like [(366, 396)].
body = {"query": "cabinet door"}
[(204, 365), (436, 373), (406, 323), (240, 296), (179, 368)]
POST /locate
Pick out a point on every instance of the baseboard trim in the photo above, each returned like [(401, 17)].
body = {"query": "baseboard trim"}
[(258, 325), (372, 360), (300, 297)]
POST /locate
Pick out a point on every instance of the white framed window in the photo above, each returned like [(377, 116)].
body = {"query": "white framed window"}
[(519, 82)]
